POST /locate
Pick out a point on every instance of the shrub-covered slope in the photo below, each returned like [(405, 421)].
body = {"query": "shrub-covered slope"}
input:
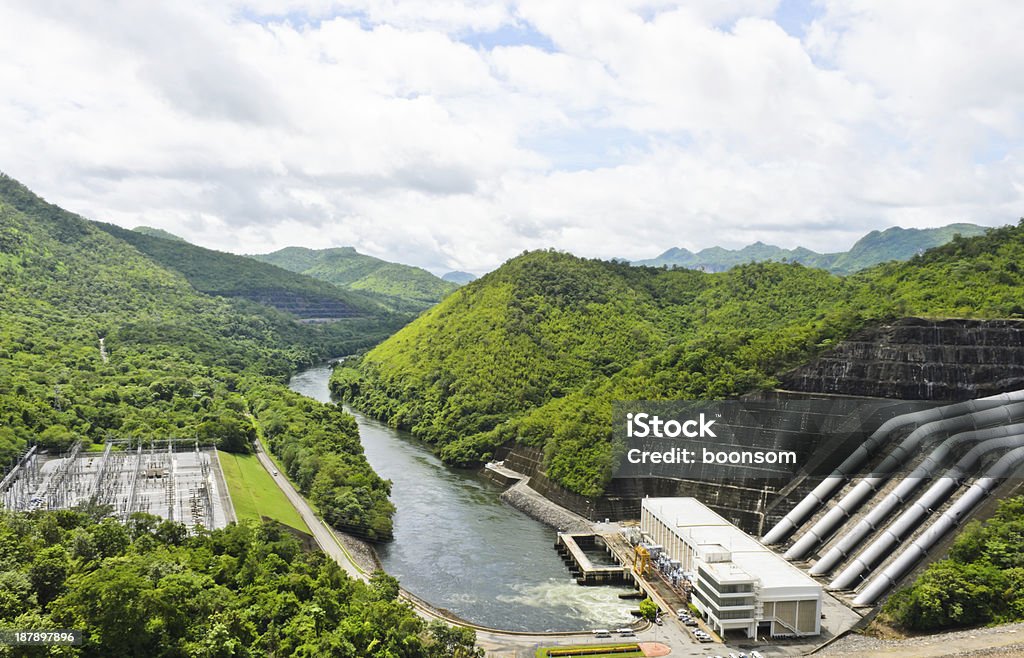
[(978, 584), (229, 275), (537, 350)]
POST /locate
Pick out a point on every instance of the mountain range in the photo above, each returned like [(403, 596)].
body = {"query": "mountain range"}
[(876, 247)]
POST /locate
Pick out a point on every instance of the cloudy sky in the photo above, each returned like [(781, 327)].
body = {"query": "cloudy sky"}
[(454, 135)]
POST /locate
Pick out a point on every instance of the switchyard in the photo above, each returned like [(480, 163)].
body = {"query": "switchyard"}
[(176, 479)]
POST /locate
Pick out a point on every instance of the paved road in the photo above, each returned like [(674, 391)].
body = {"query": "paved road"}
[(324, 538)]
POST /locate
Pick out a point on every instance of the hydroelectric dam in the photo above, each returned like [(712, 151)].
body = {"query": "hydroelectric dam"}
[(902, 433)]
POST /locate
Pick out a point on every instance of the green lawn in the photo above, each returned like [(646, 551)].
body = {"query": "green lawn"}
[(633, 651), (254, 492)]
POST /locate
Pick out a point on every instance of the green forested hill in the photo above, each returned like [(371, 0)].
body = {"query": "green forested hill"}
[(401, 287), (537, 350), (179, 363), (978, 584), (158, 233), (459, 278), (876, 247), (229, 275)]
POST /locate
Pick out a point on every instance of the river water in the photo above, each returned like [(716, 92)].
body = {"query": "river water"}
[(458, 546)]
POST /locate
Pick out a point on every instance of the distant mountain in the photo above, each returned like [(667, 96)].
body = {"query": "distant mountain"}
[(459, 278), (158, 233), (400, 287), (876, 247)]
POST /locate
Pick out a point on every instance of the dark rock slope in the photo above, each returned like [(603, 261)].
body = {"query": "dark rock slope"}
[(918, 359)]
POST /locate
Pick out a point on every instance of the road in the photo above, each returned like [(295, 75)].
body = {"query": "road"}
[(323, 536)]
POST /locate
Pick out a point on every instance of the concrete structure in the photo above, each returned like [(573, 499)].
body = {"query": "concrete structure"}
[(574, 549), (739, 584)]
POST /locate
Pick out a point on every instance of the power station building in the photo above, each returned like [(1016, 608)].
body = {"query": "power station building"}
[(738, 584)]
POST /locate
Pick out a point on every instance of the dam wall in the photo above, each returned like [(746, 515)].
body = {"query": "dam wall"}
[(919, 359)]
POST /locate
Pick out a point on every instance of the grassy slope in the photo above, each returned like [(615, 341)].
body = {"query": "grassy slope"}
[(254, 492)]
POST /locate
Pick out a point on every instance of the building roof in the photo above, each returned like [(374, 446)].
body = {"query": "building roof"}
[(708, 533)]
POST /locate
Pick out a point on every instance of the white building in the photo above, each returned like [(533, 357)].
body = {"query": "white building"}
[(740, 584)]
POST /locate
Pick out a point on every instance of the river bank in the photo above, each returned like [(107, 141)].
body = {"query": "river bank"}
[(460, 544)]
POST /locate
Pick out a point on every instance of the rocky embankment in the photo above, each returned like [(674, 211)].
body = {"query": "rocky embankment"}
[(536, 506), (1006, 640)]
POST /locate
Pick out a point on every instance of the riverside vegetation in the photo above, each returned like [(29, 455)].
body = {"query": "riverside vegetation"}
[(180, 363)]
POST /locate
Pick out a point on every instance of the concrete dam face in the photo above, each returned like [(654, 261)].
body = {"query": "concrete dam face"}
[(915, 359)]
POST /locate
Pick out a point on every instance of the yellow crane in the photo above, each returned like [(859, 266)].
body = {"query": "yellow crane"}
[(641, 560)]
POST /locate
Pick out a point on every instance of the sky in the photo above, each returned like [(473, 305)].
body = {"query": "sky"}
[(455, 135)]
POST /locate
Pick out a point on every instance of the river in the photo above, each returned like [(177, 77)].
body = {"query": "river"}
[(459, 547)]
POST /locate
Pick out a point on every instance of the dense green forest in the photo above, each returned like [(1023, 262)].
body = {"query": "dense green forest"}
[(981, 582), (876, 247), (150, 588), (179, 363), (537, 350), (400, 287)]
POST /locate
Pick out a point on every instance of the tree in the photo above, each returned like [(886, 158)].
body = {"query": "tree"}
[(453, 642), (385, 587), (232, 432), (48, 572), (649, 609)]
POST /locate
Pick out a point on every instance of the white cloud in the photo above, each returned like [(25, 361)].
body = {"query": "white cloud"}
[(454, 135)]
